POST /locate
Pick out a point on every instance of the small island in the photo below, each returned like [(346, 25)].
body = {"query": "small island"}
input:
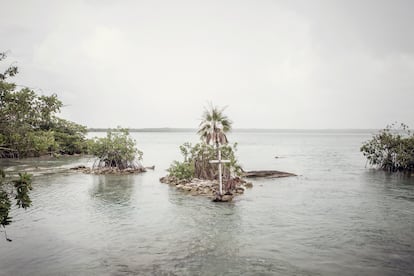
[(115, 154), (210, 168)]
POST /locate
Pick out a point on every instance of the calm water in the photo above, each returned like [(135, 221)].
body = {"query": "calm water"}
[(335, 218)]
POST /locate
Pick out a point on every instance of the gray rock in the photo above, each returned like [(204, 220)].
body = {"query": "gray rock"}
[(223, 198), (187, 188), (248, 185)]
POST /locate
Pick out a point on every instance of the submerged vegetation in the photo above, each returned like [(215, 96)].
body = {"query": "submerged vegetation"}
[(392, 149), (29, 126)]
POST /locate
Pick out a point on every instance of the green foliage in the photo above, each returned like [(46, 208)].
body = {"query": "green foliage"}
[(117, 149), (197, 162), (212, 131), (10, 71), (214, 126), (69, 136), (392, 149), (23, 185), (19, 189), (26, 108), (182, 170), (29, 126), (5, 206)]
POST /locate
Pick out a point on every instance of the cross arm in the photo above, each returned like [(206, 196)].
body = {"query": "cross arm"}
[(219, 161)]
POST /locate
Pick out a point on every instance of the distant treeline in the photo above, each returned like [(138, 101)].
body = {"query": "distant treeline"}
[(244, 130), (146, 129)]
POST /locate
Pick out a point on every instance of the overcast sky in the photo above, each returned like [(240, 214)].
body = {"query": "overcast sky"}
[(275, 64)]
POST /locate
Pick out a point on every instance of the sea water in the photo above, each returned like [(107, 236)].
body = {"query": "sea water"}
[(336, 217)]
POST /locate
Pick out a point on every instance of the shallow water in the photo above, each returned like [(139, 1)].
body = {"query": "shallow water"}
[(336, 217)]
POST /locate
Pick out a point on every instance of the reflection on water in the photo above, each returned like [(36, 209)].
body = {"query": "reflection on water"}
[(211, 232), (113, 189), (336, 218)]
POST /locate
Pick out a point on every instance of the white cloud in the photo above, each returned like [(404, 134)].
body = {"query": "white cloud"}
[(276, 64)]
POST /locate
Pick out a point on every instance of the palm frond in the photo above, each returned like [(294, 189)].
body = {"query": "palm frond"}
[(214, 124)]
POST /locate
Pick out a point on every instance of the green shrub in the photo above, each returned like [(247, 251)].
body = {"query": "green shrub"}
[(182, 170), (392, 149), (197, 162), (117, 149)]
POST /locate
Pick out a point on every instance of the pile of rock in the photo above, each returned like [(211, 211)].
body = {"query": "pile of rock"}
[(208, 188)]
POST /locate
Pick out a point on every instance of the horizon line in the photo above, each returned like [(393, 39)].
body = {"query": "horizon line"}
[(185, 129)]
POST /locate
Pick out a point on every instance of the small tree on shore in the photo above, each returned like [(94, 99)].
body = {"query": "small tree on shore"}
[(116, 150), (392, 149)]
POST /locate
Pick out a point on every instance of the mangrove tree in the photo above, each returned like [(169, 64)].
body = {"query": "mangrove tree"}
[(392, 149), (116, 150), (29, 126)]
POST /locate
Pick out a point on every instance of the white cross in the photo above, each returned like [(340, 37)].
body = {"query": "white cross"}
[(219, 162)]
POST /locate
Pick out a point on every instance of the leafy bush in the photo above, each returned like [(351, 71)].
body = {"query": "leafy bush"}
[(40, 143), (182, 170), (392, 149), (197, 162), (70, 137), (117, 150)]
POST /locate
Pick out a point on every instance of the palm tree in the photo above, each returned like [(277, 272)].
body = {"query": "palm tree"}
[(214, 126)]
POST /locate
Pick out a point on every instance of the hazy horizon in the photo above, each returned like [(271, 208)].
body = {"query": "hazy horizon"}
[(275, 64), (181, 129)]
